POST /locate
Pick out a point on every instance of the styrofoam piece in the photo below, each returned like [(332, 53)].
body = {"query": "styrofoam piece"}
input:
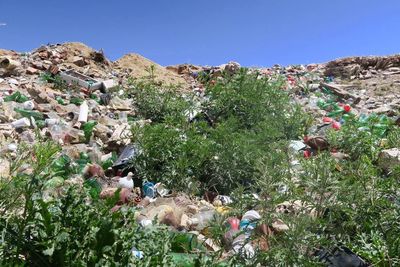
[(73, 77)]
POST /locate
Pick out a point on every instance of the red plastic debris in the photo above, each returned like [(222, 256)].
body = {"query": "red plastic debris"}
[(234, 223), (327, 119), (336, 125), (347, 108), (307, 154)]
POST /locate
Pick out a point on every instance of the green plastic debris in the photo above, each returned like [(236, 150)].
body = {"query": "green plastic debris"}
[(76, 101), (108, 163), (189, 260), (54, 182), (185, 242), (60, 100), (94, 187), (82, 162), (29, 113), (377, 125), (88, 129), (16, 97), (61, 166), (335, 114), (93, 96), (40, 124)]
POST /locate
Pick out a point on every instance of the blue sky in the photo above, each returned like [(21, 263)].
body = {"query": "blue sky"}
[(208, 32)]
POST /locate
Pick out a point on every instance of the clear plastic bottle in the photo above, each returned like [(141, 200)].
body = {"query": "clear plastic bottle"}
[(202, 219)]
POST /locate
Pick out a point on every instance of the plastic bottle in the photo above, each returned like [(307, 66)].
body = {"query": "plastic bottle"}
[(232, 233), (185, 242), (335, 113), (29, 113), (83, 112), (57, 132), (201, 219), (51, 122), (126, 182), (16, 97), (123, 117), (28, 105), (149, 190), (21, 123), (95, 153)]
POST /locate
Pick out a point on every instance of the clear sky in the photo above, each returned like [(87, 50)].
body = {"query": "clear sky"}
[(208, 32)]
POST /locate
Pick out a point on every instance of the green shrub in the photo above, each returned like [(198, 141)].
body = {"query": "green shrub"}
[(70, 229), (241, 120), (155, 104)]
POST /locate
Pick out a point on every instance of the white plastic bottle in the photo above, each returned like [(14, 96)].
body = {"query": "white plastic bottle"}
[(83, 112)]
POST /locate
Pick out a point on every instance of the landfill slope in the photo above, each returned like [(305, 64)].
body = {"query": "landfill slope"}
[(137, 66), (74, 96)]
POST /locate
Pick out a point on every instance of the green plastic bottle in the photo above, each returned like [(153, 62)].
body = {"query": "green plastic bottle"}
[(60, 100), (76, 101), (29, 113), (16, 97), (88, 129), (335, 113), (185, 242)]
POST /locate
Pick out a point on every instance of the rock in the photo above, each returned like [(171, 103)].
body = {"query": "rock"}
[(170, 219), (382, 110), (53, 69), (125, 194), (44, 54), (93, 170), (231, 68), (120, 104), (318, 143), (108, 84), (5, 167), (192, 209), (79, 61), (389, 159), (280, 226), (9, 66), (184, 221), (339, 156), (31, 71), (340, 91)]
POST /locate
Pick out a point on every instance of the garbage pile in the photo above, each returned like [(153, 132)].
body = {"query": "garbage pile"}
[(73, 95)]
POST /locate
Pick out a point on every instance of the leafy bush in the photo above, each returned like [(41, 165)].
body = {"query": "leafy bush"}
[(155, 104), (70, 229), (235, 145), (238, 123)]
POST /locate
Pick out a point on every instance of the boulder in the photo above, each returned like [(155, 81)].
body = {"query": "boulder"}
[(389, 159)]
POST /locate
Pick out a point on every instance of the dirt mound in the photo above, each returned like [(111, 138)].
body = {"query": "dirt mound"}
[(78, 49), (139, 67), (354, 66), (4, 52)]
